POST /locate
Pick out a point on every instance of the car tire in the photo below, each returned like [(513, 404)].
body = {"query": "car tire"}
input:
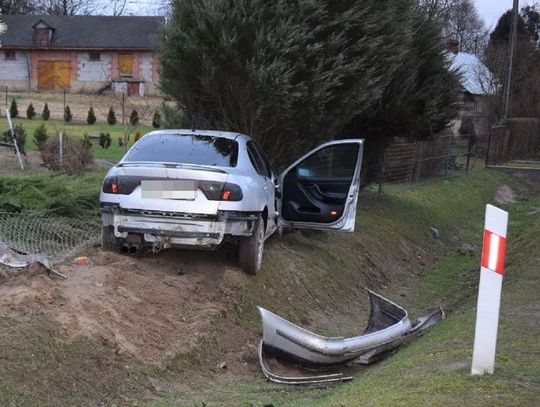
[(108, 239), (250, 249)]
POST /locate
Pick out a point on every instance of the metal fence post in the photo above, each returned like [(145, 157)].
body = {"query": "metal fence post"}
[(469, 149), (61, 148)]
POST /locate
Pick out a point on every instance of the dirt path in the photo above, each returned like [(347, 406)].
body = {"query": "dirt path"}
[(145, 307)]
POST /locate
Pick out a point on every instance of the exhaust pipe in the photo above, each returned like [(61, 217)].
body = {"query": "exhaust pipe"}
[(133, 249), (124, 249)]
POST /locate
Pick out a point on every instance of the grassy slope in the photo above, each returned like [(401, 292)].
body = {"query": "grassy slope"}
[(317, 279), (435, 369), (113, 153)]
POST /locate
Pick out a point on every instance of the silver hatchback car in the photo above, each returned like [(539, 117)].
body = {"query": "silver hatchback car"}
[(197, 189)]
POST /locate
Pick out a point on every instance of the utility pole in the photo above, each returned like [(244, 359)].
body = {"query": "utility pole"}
[(513, 39)]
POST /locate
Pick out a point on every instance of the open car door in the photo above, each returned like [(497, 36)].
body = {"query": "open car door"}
[(320, 190)]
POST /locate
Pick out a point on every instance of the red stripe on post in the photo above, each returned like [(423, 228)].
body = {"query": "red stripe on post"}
[(485, 251), (500, 256)]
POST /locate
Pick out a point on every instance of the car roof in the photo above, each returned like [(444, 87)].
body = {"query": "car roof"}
[(213, 133)]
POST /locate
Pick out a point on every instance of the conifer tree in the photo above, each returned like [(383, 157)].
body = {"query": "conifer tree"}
[(91, 118), (134, 117), (111, 117), (13, 109), (46, 114), (156, 120), (67, 114), (30, 112)]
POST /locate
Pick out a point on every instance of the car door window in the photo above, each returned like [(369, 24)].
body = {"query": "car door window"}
[(336, 161), (316, 189), (265, 160), (256, 160)]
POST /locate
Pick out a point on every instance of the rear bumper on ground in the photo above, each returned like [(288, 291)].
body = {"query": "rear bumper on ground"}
[(171, 229)]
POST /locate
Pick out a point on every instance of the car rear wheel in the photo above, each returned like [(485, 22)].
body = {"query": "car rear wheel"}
[(108, 239), (250, 249)]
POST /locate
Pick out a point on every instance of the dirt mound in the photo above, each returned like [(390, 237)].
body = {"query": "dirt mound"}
[(504, 195), (150, 308)]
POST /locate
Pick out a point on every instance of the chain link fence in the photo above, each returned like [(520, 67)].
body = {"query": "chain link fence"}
[(40, 233)]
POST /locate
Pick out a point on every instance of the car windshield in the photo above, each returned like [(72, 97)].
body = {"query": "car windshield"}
[(185, 149)]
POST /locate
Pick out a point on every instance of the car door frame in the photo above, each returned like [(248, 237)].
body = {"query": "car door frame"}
[(269, 181), (347, 220)]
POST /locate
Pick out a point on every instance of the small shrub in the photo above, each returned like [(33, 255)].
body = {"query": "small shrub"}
[(120, 142), (134, 118), (137, 137), (30, 112), (67, 114), (40, 136), (86, 141), (13, 110), (105, 140), (76, 156), (111, 117), (46, 114), (156, 120), (20, 138), (91, 118)]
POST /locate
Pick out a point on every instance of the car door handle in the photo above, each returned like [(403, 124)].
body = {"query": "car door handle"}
[(329, 195)]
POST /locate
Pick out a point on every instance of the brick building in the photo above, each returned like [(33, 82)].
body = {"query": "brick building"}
[(80, 53)]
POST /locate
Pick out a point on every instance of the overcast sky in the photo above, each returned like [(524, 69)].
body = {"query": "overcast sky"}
[(491, 10)]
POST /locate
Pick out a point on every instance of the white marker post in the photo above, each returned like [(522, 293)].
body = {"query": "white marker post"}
[(489, 291)]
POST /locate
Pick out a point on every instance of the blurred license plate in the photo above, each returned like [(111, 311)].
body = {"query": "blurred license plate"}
[(168, 189)]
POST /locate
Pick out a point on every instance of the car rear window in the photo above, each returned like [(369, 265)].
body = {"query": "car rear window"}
[(185, 149)]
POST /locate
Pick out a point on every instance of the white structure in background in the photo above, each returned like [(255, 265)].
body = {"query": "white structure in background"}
[(477, 85), (489, 291), (476, 77)]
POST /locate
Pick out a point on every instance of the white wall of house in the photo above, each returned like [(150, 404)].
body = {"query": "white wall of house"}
[(14, 73), (94, 71), (146, 67)]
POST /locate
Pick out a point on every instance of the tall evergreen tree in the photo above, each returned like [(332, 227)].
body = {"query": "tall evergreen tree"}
[(525, 86), (289, 73), (294, 73)]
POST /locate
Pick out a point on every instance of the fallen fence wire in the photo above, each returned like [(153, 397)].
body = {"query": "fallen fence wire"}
[(37, 232)]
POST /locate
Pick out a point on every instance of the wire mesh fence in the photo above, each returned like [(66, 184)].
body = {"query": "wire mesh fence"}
[(42, 233)]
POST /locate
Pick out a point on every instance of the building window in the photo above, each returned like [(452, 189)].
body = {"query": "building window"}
[(94, 56), (9, 55), (43, 36)]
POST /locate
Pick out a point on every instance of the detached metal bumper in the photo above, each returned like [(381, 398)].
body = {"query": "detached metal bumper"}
[(177, 229), (388, 328)]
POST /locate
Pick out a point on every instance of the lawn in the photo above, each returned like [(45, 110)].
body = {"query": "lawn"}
[(78, 129)]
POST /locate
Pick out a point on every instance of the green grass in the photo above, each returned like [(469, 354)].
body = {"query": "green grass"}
[(435, 370), (113, 153)]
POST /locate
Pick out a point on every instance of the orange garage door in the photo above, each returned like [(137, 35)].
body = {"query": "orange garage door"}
[(54, 74)]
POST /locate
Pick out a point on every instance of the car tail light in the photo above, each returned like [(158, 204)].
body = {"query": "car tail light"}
[(219, 191), (121, 185)]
